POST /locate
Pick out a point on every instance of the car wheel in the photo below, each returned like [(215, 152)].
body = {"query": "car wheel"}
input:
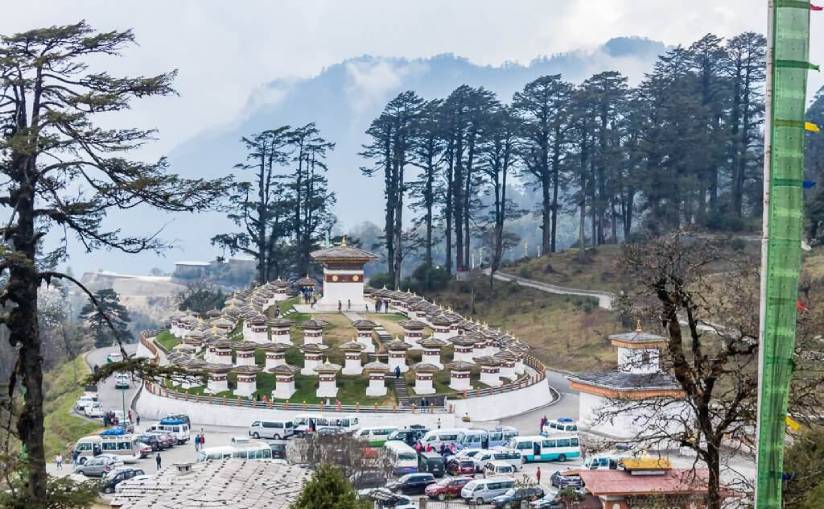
[(109, 489), (276, 437), (562, 457), (479, 501), (442, 497), (256, 435), (82, 460)]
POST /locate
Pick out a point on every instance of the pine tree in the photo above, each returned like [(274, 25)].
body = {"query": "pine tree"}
[(327, 489), (108, 314)]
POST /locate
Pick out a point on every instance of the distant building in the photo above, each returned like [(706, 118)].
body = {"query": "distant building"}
[(191, 270)]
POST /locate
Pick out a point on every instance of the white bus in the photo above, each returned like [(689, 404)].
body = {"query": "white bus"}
[(448, 437), (500, 437), (553, 447), (240, 449), (126, 446), (346, 423), (563, 424), (404, 458)]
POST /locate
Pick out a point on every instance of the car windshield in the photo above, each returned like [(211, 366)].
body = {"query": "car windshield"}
[(510, 492)]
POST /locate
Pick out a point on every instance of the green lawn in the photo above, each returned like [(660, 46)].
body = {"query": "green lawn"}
[(167, 340), (62, 387)]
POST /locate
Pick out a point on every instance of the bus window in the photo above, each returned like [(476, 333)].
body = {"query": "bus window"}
[(563, 442), (548, 444)]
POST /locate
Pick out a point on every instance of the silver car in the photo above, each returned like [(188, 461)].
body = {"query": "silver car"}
[(98, 466)]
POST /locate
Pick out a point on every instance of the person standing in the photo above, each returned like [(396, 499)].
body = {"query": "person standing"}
[(202, 439), (348, 304), (397, 372), (58, 461), (538, 475), (340, 306), (158, 461), (75, 455), (197, 442)]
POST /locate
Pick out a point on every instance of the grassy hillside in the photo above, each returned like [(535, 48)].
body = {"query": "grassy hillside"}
[(567, 333), (594, 269), (63, 386)]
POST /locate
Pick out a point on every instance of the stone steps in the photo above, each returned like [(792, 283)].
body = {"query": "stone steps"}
[(401, 391)]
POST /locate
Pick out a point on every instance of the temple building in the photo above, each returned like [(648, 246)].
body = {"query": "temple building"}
[(342, 275), (638, 376)]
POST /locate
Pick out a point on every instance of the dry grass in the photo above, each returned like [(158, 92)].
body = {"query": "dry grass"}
[(566, 333), (597, 269)]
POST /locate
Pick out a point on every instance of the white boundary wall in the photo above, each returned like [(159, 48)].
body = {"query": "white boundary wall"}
[(504, 404)]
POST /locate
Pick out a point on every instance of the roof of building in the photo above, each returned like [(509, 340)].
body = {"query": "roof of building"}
[(343, 252), (313, 324), (283, 369), (230, 483), (425, 367), (364, 324), (280, 322), (623, 381), (396, 344), (638, 336), (351, 346), (622, 483), (327, 367), (376, 366), (412, 324), (432, 342), (459, 366)]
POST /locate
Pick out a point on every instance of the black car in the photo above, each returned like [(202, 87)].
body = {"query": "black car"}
[(116, 476), (367, 479), (152, 441), (408, 435), (431, 462), (514, 496), (412, 484), (278, 448), (565, 480)]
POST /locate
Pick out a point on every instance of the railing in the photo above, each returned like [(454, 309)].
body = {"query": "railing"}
[(145, 340), (241, 402), (521, 383)]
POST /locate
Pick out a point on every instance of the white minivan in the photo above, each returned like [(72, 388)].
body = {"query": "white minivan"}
[(481, 491), (277, 430), (178, 428)]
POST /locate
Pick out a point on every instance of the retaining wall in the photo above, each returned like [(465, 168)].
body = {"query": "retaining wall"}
[(504, 404)]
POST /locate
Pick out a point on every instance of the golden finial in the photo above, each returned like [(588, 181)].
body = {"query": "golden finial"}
[(638, 326)]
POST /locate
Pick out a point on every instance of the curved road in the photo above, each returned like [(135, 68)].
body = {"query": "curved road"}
[(604, 298)]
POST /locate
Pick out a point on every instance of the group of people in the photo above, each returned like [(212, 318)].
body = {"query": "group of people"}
[(199, 440), (544, 422), (381, 304), (444, 449)]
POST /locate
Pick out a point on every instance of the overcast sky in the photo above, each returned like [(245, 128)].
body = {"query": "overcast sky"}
[(224, 50)]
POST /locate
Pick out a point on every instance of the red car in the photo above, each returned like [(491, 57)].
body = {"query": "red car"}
[(448, 487), (465, 466)]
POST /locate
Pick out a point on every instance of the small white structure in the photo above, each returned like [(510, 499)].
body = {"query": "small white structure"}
[(284, 381), (195, 339), (312, 355), (507, 364), (218, 379), (412, 332), (222, 352), (490, 371), (441, 327), (352, 358), (342, 275), (459, 376), (246, 380), (281, 290), (195, 368), (254, 329), (281, 329), (313, 332), (397, 355), (464, 348), (638, 376), (432, 351), (327, 385), (222, 325), (275, 355), (364, 337), (424, 374), (245, 353), (377, 378)]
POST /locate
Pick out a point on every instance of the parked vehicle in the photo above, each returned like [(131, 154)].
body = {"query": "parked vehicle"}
[(178, 428), (117, 442), (562, 424), (412, 484), (448, 437), (460, 466), (86, 447), (152, 441), (515, 496), (404, 458), (375, 436), (97, 466), (114, 477), (448, 487), (93, 410), (276, 430), (500, 437), (367, 479), (240, 449), (557, 447), (137, 480), (165, 438), (278, 448), (114, 357), (84, 401), (511, 456), (407, 435), (122, 381), (498, 468), (180, 417), (475, 439), (383, 498), (481, 491), (303, 423), (566, 479), (600, 463), (431, 462)]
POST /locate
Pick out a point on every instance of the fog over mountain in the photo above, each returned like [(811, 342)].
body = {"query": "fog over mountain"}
[(342, 100)]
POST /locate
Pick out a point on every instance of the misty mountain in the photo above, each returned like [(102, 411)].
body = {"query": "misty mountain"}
[(342, 100)]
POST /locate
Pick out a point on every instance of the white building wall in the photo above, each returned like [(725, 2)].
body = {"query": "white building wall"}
[(334, 292)]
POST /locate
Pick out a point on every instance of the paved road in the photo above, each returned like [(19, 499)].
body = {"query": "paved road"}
[(604, 298), (109, 397)]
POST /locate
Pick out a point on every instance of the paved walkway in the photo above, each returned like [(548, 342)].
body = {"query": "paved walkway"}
[(604, 298)]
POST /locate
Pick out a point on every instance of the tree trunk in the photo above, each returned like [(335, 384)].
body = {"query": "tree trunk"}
[(546, 213), (556, 186), (24, 331)]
